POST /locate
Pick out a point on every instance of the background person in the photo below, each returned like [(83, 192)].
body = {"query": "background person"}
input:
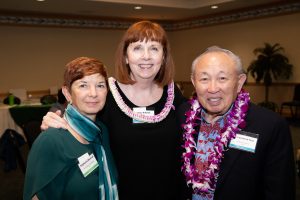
[(75, 163), (233, 149), (140, 115), (61, 103)]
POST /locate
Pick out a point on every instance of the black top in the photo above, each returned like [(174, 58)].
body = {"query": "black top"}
[(147, 155)]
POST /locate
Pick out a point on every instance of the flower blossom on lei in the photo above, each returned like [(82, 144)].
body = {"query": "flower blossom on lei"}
[(205, 181), (139, 116)]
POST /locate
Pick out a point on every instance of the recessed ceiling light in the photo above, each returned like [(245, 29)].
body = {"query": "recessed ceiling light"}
[(214, 7), (40, 0), (137, 7)]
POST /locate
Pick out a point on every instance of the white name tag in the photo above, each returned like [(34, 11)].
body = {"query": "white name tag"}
[(244, 141), (87, 164), (143, 111)]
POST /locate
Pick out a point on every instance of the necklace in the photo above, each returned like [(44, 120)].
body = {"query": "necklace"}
[(139, 116), (205, 181)]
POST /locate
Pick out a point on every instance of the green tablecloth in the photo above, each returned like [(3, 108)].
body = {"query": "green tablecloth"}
[(24, 114)]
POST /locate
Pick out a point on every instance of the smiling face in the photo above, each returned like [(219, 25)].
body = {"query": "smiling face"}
[(144, 59), (217, 82), (88, 94)]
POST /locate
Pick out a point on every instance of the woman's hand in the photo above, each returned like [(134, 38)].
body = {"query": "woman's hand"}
[(54, 120)]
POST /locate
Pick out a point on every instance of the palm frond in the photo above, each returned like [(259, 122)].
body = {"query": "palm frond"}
[(269, 64)]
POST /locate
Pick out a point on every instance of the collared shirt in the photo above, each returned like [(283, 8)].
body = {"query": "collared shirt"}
[(205, 145)]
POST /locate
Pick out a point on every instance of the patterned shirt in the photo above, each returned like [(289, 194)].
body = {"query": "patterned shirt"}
[(205, 145)]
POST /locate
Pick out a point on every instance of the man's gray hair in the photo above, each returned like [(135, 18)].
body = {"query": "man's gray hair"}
[(234, 57)]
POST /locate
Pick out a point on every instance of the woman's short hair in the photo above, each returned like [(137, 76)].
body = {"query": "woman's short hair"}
[(140, 31), (80, 67)]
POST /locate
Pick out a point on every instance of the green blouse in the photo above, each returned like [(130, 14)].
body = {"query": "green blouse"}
[(52, 168)]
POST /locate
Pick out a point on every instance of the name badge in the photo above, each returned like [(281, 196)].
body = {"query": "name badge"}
[(244, 141), (143, 111), (87, 164)]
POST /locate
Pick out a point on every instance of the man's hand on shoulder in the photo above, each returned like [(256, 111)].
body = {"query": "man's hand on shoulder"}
[(54, 120)]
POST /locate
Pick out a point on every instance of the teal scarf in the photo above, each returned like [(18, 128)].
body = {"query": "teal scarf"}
[(90, 131)]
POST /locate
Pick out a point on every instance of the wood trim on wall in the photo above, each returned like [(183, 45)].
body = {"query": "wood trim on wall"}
[(186, 85), (36, 19), (34, 94)]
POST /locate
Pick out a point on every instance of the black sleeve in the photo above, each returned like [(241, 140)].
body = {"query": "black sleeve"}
[(279, 176)]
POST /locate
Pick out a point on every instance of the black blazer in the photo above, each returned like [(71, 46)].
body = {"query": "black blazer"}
[(267, 174)]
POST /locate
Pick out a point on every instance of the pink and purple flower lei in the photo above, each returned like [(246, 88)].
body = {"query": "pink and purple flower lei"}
[(205, 181)]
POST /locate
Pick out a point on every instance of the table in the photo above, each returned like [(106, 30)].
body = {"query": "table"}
[(16, 116), (23, 114), (21, 118), (29, 118), (7, 122)]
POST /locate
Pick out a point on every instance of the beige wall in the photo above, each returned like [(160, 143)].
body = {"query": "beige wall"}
[(241, 38), (34, 57)]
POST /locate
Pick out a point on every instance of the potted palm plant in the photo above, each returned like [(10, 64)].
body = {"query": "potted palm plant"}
[(269, 64)]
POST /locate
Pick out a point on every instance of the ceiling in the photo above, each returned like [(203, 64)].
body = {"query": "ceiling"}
[(166, 10)]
